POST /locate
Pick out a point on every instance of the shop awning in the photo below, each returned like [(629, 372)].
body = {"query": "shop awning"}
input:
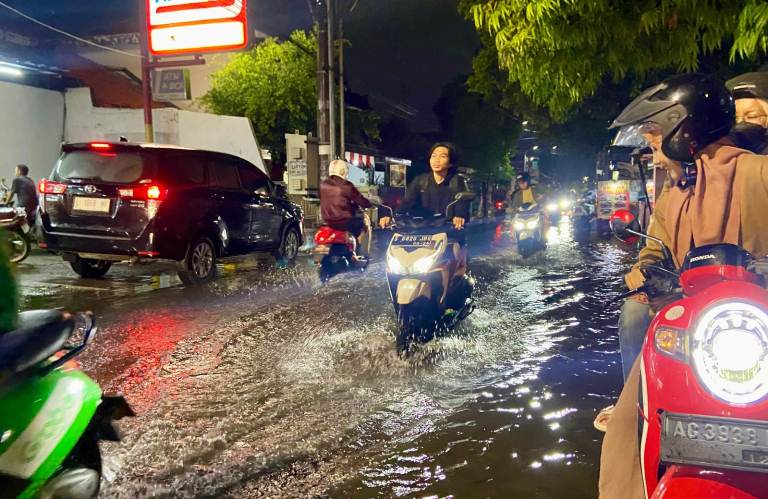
[(360, 160)]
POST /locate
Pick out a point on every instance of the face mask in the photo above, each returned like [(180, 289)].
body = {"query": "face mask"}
[(750, 136)]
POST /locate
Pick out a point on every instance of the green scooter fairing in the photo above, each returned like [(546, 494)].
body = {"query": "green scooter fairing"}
[(41, 420)]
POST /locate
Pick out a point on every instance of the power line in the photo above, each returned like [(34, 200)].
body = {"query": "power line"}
[(62, 32)]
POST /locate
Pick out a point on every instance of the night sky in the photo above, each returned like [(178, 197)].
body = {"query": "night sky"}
[(402, 51)]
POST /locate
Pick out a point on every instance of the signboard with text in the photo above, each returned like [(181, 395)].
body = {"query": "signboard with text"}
[(179, 27), (171, 84)]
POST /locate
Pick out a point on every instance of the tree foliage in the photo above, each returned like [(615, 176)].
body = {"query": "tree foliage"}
[(274, 86), (484, 133), (558, 52)]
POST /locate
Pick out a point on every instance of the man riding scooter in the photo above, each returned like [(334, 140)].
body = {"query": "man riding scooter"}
[(340, 205), (716, 195)]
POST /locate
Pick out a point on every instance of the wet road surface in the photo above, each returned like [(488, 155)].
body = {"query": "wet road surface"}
[(266, 384)]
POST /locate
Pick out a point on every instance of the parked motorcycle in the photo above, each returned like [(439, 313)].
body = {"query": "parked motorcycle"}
[(335, 253), (52, 415), (427, 275), (14, 220), (704, 374), (528, 226)]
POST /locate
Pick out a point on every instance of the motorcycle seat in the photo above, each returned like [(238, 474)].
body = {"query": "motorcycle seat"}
[(41, 333)]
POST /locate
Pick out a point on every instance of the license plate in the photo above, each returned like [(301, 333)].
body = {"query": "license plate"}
[(93, 205), (524, 235), (723, 442), (414, 241)]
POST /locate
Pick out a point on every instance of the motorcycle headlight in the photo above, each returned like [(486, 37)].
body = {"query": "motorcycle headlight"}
[(730, 352), (532, 224), (394, 266), (519, 226), (424, 265), (565, 204), (552, 207)]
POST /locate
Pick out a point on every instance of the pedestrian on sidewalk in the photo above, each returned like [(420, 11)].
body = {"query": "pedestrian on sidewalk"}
[(25, 191)]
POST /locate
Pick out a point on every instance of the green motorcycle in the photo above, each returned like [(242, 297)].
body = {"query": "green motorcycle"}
[(52, 415)]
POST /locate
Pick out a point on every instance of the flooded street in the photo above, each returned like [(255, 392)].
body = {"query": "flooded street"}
[(269, 385)]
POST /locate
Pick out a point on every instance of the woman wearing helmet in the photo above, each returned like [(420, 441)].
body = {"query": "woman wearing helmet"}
[(524, 193), (717, 195), (750, 92)]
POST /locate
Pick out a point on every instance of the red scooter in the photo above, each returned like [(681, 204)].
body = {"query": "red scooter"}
[(335, 252), (704, 375)]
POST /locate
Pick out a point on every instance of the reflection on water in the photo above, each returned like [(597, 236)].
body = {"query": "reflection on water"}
[(291, 389)]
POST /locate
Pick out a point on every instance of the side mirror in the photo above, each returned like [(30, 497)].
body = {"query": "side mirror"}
[(622, 222), (464, 196)]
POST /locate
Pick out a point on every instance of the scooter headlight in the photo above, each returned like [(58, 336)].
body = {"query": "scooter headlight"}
[(519, 226), (552, 207), (565, 204), (394, 266), (730, 352), (425, 264), (532, 224)]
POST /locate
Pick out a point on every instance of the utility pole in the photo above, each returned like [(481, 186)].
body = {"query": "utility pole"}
[(342, 99), (146, 73), (331, 76)]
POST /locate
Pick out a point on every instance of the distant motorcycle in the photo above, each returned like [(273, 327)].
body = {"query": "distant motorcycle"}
[(14, 221), (583, 217), (335, 253), (528, 226), (499, 208)]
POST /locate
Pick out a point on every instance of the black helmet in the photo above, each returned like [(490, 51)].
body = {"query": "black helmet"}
[(524, 177), (749, 86), (691, 111)]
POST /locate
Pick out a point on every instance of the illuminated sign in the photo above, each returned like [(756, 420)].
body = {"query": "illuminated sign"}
[(194, 26)]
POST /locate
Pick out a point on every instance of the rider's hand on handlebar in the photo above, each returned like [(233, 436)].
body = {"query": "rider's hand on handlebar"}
[(458, 223), (385, 222), (635, 279)]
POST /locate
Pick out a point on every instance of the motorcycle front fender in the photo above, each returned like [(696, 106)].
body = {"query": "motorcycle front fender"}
[(408, 290), (685, 482)]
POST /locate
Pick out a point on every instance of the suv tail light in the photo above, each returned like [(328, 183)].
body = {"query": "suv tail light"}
[(151, 192), (48, 187)]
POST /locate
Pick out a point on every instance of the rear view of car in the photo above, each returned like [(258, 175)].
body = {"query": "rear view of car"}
[(106, 202)]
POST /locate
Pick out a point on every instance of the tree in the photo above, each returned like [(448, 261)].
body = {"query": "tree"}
[(559, 52), (274, 86)]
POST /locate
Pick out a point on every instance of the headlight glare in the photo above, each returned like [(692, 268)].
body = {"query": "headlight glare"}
[(532, 224), (424, 265), (730, 352), (394, 265), (519, 226), (552, 207)]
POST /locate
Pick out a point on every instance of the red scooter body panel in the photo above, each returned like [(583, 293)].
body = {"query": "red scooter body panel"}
[(326, 236), (686, 482), (671, 385)]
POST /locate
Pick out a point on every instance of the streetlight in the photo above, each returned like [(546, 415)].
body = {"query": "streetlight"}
[(535, 148), (554, 148), (525, 123)]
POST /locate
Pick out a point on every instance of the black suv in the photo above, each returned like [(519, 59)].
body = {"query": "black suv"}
[(107, 202)]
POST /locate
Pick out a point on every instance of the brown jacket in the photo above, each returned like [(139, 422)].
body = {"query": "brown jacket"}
[(620, 474)]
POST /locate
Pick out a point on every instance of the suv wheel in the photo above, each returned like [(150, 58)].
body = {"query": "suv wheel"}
[(91, 269), (289, 246), (200, 265)]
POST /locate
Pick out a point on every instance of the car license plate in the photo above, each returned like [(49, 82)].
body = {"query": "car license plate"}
[(723, 442), (93, 205), (414, 241)]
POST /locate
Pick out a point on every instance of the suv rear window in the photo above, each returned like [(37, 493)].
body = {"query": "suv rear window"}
[(123, 167)]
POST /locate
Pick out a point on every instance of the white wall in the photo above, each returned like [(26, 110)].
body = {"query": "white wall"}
[(31, 129), (227, 134)]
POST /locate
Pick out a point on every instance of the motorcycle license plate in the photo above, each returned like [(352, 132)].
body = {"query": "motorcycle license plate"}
[(415, 241), (524, 236), (722, 442)]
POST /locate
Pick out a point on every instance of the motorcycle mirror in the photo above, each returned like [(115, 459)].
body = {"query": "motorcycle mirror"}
[(622, 222), (464, 196)]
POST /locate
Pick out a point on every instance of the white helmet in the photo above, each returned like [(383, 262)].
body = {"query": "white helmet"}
[(338, 167)]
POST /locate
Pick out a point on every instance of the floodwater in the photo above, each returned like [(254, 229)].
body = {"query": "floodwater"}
[(270, 385)]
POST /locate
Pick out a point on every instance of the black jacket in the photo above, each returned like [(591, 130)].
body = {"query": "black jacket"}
[(427, 195)]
